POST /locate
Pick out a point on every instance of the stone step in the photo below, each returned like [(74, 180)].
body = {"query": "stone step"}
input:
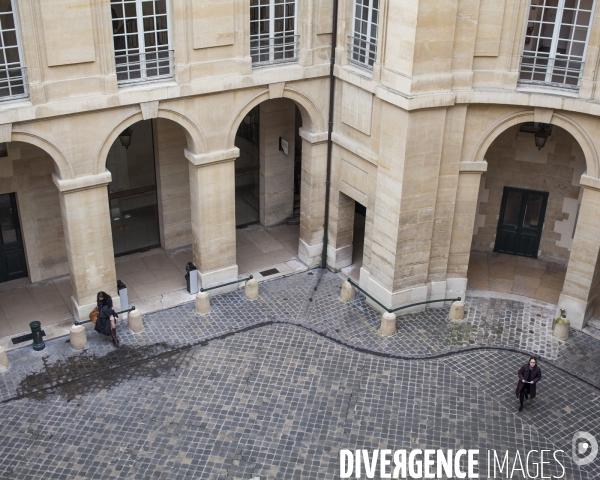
[(592, 331), (594, 322)]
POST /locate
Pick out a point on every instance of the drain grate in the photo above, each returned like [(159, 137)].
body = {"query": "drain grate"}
[(25, 338), (266, 273)]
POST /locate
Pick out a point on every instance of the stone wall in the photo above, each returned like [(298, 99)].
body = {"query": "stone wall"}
[(27, 171), (514, 161), (173, 184)]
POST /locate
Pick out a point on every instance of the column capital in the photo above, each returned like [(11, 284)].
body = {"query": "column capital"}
[(477, 166), (590, 182), (82, 183), (312, 137), (212, 157)]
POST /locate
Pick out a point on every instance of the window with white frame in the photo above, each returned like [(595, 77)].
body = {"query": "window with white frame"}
[(13, 82), (142, 40), (273, 37), (362, 44), (555, 42)]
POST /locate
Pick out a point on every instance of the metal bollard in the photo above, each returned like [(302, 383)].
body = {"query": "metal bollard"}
[(36, 333)]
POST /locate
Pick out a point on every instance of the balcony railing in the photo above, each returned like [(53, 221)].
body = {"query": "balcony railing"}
[(271, 50), (361, 52), (142, 67), (13, 83), (537, 69)]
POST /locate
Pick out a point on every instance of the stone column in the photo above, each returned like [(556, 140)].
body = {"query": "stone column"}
[(277, 119), (312, 197), (341, 230), (88, 237), (465, 210), (212, 197), (583, 275)]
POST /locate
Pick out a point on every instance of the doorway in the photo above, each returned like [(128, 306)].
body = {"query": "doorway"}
[(132, 192), (12, 253), (521, 221)]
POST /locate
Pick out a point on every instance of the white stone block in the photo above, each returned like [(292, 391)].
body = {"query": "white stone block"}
[(388, 324), (202, 303), (348, 292), (251, 289), (3, 360), (78, 338), (457, 311), (134, 321)]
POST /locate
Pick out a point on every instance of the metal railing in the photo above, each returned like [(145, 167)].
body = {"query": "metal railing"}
[(361, 52), (118, 313), (142, 67), (392, 310), (240, 280), (13, 83), (560, 72), (272, 50)]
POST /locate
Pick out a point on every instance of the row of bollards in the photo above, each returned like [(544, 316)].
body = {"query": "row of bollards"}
[(388, 319), (203, 299), (78, 337)]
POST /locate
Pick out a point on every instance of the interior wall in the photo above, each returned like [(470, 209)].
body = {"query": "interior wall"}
[(173, 183), (27, 171), (514, 161)]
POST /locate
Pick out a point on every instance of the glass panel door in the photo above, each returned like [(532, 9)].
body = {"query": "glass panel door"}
[(521, 221), (12, 253)]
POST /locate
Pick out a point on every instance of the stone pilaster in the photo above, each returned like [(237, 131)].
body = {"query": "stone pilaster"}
[(341, 230), (88, 236), (312, 197), (465, 210), (212, 197), (583, 275)]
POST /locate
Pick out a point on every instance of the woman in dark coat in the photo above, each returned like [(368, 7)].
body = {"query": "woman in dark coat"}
[(529, 375), (107, 317)]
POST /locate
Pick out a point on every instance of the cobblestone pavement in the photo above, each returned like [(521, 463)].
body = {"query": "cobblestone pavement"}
[(275, 387)]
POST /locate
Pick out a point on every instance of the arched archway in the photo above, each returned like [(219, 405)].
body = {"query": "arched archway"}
[(277, 176), (527, 208)]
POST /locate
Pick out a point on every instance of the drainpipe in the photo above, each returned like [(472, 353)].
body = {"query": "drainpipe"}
[(329, 132)]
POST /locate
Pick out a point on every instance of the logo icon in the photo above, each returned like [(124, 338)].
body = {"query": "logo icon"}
[(585, 448)]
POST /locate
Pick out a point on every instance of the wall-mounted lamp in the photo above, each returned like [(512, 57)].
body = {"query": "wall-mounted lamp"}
[(3, 150), (542, 134), (125, 137)]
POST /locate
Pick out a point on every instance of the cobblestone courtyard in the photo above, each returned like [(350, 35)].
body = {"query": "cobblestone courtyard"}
[(273, 389)]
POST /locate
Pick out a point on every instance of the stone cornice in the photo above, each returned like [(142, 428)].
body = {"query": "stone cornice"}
[(473, 167), (82, 183), (212, 157)]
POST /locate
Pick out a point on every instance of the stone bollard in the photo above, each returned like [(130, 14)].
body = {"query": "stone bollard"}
[(134, 321), (561, 328), (457, 311), (388, 324), (251, 289), (78, 337), (3, 360), (202, 303), (348, 292)]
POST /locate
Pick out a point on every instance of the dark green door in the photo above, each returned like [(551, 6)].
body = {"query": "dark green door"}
[(12, 253), (521, 221)]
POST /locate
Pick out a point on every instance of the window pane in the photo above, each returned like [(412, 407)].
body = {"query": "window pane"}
[(513, 208), (532, 211)]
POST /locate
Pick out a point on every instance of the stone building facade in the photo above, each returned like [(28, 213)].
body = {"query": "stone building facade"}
[(437, 108)]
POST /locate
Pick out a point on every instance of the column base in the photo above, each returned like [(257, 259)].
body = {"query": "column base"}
[(456, 287), (82, 312), (397, 299), (437, 291), (577, 311), (216, 277), (338, 258), (310, 255)]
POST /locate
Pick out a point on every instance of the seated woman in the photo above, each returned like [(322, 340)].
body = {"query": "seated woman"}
[(107, 317)]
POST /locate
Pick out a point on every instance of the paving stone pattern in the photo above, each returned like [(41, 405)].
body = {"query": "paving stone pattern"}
[(303, 377)]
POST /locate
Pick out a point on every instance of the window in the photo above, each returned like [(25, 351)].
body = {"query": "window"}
[(273, 36), (141, 39), (362, 44), (13, 82), (555, 42)]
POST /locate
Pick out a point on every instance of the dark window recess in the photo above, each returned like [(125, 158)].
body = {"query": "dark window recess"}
[(521, 221), (12, 251)]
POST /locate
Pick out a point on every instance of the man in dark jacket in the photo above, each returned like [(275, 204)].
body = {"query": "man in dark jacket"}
[(529, 375)]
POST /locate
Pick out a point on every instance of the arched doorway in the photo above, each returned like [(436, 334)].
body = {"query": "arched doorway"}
[(527, 212), (267, 189)]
